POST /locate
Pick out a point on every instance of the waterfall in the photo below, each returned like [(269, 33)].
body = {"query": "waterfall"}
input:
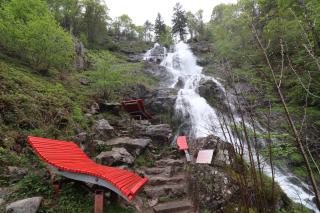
[(204, 120)]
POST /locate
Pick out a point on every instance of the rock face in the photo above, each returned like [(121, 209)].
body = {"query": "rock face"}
[(105, 106), (162, 100), (158, 72), (132, 145), (160, 132), (29, 205), (16, 173), (103, 130), (156, 54), (81, 61), (214, 95), (212, 186), (115, 157), (201, 47)]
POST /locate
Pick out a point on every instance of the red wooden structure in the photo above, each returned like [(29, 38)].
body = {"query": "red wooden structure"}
[(183, 146), (67, 159), (135, 108)]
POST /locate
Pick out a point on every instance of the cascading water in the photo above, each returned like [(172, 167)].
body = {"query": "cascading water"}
[(182, 65), (204, 120)]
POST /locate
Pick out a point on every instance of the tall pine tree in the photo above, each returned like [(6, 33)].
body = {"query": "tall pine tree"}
[(179, 21), (159, 27)]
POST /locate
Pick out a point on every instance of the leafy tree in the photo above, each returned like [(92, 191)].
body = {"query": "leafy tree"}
[(29, 31), (94, 21), (148, 28), (191, 24), (179, 21), (159, 27), (126, 27), (166, 38), (200, 23), (67, 13)]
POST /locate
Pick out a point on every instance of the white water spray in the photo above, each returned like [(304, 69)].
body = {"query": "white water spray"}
[(204, 119)]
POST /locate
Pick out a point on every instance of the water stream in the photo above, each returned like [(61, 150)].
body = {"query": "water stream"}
[(181, 64)]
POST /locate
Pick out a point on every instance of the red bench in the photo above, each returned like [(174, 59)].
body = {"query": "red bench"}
[(67, 159), (135, 108)]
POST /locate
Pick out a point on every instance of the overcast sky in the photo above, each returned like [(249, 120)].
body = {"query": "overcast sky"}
[(141, 10)]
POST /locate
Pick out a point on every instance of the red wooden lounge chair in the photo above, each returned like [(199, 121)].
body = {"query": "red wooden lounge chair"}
[(135, 108), (183, 146), (67, 159)]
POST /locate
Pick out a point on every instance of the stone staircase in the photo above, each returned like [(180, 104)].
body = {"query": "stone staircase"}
[(167, 189)]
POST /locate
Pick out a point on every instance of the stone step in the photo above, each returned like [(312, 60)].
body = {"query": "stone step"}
[(157, 180), (172, 190), (169, 162), (181, 206), (166, 171)]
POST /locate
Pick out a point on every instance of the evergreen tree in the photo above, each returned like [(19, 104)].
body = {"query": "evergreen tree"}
[(159, 27), (179, 21)]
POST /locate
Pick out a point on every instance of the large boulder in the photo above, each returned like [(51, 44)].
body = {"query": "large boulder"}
[(113, 107), (81, 61), (162, 100), (115, 157), (103, 130), (160, 132), (16, 173), (29, 205), (213, 93), (211, 184), (133, 145), (156, 54)]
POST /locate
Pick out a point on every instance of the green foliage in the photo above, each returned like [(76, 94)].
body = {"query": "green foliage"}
[(179, 21), (159, 27), (143, 160), (114, 77), (74, 199), (34, 184), (28, 30), (116, 208)]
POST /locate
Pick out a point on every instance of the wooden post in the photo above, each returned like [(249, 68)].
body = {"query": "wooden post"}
[(98, 201)]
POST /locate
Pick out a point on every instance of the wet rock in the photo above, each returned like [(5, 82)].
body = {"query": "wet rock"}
[(159, 72), (213, 93), (180, 83), (16, 173), (103, 130), (208, 88), (29, 205), (116, 156), (133, 145), (162, 100), (156, 54)]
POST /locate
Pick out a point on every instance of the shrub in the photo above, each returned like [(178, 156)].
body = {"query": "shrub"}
[(28, 31)]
